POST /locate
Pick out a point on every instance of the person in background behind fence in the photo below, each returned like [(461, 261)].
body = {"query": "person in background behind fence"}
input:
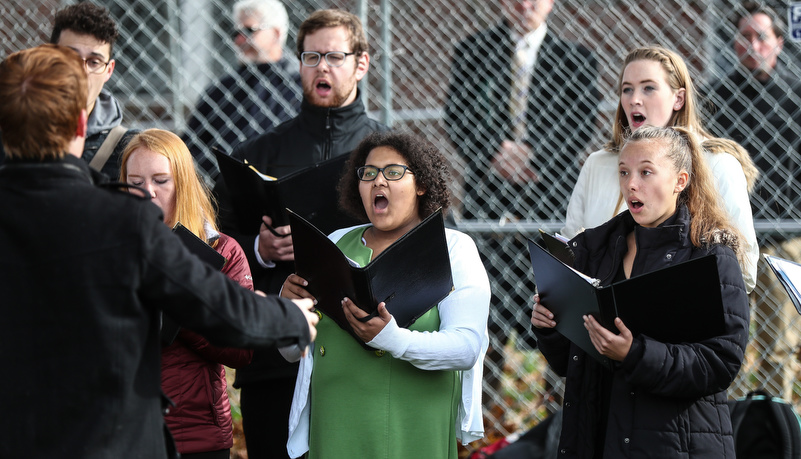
[(263, 92), (192, 372), (658, 400), (655, 88), (759, 105), (520, 110), (91, 32), (333, 52), (87, 271)]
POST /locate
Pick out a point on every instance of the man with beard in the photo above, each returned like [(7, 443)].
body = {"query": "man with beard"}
[(332, 48)]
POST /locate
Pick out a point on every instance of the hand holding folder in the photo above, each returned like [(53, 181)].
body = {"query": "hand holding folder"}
[(411, 276), (650, 304)]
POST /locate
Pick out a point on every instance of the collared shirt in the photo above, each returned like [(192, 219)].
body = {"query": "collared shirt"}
[(530, 45)]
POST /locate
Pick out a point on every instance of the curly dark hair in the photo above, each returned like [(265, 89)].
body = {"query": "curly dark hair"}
[(425, 161), (88, 19)]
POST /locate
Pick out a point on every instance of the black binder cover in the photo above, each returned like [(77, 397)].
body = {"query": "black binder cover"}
[(411, 276), (311, 192), (199, 247), (789, 274), (169, 328), (654, 304), (557, 247)]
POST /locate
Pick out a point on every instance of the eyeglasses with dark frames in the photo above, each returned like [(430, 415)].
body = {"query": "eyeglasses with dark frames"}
[(391, 172), (333, 59), (94, 64)]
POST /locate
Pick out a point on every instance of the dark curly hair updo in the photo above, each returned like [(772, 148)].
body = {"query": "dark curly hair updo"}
[(87, 19), (424, 160)]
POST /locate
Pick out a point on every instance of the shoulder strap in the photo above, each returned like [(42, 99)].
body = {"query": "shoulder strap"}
[(104, 152)]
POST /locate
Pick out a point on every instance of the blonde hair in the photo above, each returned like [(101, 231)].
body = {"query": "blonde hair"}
[(709, 222), (678, 76), (194, 207)]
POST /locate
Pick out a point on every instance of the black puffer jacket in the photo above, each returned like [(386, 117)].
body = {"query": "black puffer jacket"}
[(665, 400)]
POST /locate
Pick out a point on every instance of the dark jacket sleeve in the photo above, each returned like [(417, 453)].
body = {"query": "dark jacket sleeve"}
[(206, 301), (693, 370), (228, 356)]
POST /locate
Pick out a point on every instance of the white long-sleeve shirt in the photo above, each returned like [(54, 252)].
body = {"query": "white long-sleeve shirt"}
[(460, 344)]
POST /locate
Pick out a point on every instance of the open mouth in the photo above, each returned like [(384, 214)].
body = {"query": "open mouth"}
[(635, 205), (637, 118), (323, 85), (380, 202)]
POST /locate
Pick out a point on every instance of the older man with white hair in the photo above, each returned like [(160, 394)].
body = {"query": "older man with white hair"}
[(263, 92)]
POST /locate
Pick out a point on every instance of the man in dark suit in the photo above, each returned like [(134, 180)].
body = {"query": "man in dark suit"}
[(86, 273), (521, 109)]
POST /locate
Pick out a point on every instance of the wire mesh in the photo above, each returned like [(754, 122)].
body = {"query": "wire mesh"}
[(170, 51)]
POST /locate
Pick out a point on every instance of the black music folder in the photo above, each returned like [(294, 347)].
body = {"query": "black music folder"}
[(311, 192), (411, 276), (557, 246), (654, 304), (199, 247), (789, 274)]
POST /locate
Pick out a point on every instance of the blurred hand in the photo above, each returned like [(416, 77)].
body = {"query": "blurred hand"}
[(295, 288), (272, 247), (511, 162), (541, 317), (307, 306), (616, 347), (365, 330)]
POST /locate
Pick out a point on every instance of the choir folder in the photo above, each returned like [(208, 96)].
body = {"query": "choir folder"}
[(789, 274), (411, 276), (311, 192), (654, 304), (169, 328)]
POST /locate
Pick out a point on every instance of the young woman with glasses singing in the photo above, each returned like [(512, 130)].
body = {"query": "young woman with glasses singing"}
[(420, 390)]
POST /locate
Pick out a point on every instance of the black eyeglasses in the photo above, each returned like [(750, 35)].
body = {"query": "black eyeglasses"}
[(333, 59), (247, 32), (391, 173), (94, 64)]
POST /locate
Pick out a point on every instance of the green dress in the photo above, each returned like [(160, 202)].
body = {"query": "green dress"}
[(367, 404)]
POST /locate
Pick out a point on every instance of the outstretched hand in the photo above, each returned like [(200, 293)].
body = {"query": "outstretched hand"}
[(616, 347), (365, 330), (307, 307)]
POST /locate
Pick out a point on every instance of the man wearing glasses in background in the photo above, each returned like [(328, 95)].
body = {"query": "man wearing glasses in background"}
[(90, 31), (333, 53), (263, 92)]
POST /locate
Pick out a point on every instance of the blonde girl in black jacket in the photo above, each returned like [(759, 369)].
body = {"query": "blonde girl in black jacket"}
[(660, 399)]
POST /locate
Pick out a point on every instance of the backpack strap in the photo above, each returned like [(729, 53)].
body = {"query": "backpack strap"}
[(105, 150), (738, 409)]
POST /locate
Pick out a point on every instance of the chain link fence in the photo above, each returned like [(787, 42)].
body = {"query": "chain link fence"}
[(170, 50)]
